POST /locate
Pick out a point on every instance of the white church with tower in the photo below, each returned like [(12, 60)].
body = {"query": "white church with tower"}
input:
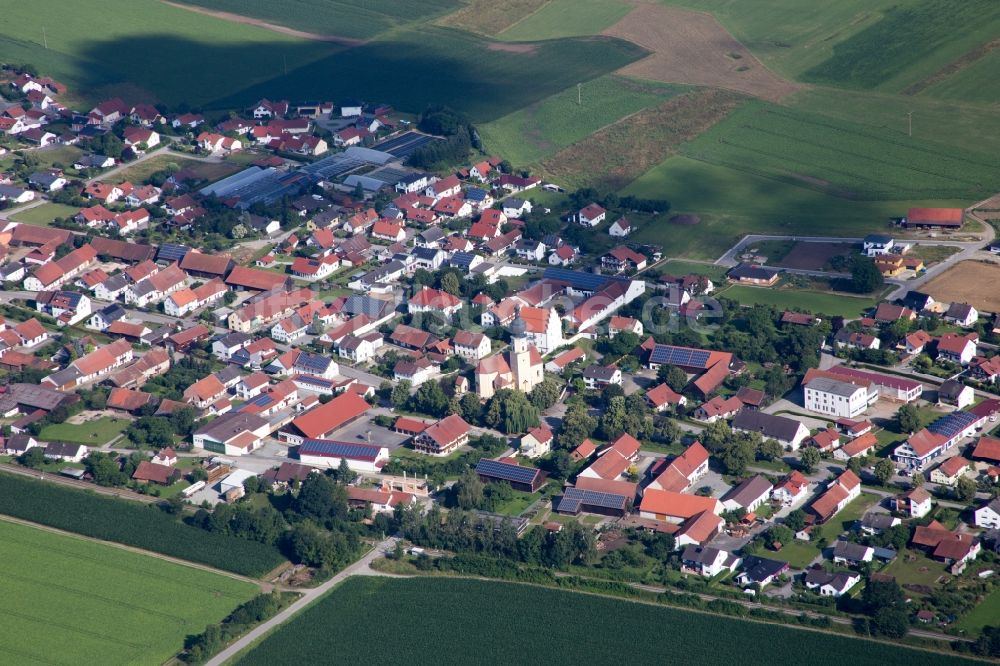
[(520, 367)]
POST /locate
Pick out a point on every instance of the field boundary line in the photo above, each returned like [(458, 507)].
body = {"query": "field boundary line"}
[(133, 549), (525, 18), (266, 25)]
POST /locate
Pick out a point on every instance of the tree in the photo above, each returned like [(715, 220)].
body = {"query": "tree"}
[(321, 500), (559, 465), (470, 408), (908, 418), (810, 458), (738, 456), (400, 394), (468, 491), (770, 450), (891, 622), (965, 490), (613, 419), (795, 520), (431, 399), (917, 479), (545, 394), (780, 534), (884, 471), (879, 594), (865, 275), (716, 436), (577, 425), (104, 469), (510, 412), (33, 457), (450, 284), (672, 376)]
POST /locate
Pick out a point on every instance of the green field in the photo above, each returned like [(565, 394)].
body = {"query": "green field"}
[(92, 433), (567, 18), (133, 524), (983, 615), (816, 302), (472, 621), (73, 601), (843, 158), (732, 203), (907, 44), (977, 82), (356, 19), (44, 214), (542, 129), (435, 65), (174, 55)]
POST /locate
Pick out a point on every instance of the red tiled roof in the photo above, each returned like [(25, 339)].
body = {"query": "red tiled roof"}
[(674, 504), (331, 416), (987, 448), (252, 278)]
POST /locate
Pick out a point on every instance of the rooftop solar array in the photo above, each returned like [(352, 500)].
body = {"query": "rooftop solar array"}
[(594, 498), (312, 362), (171, 252), (684, 357), (578, 279), (389, 175), (953, 423), (332, 167), (334, 449), (405, 144), (506, 471)]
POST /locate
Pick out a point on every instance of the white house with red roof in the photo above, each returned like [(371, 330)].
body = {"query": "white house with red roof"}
[(434, 300), (536, 443), (620, 228), (591, 215)]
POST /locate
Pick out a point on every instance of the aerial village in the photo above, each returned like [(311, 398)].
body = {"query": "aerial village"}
[(301, 299)]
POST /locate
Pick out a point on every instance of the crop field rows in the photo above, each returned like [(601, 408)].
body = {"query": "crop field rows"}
[(473, 622), (843, 158), (67, 600)]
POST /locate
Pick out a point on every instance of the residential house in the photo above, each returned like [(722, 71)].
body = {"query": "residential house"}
[(915, 503), (951, 470), (591, 215), (787, 432), (707, 561)]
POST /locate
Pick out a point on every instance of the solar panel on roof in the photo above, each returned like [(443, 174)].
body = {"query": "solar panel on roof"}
[(952, 424), (568, 504), (596, 498), (506, 471), (680, 356), (329, 447), (171, 252), (312, 361), (578, 279)]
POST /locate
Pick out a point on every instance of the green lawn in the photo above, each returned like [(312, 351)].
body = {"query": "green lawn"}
[(985, 614), (816, 302), (93, 433), (140, 173), (912, 567), (518, 503), (68, 600), (567, 18), (44, 214), (483, 622), (681, 267), (540, 130), (732, 203), (58, 155), (800, 553)]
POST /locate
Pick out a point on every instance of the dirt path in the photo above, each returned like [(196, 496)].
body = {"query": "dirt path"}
[(692, 47), (273, 27)]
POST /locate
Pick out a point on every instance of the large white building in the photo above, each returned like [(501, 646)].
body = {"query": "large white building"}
[(836, 398)]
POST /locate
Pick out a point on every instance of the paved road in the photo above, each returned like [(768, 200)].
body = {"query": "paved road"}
[(359, 568)]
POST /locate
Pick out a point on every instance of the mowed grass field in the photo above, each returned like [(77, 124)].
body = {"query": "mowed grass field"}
[(72, 601), (542, 129), (92, 433), (566, 18), (357, 19), (485, 622), (148, 50), (816, 302), (733, 203), (44, 214), (847, 159)]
